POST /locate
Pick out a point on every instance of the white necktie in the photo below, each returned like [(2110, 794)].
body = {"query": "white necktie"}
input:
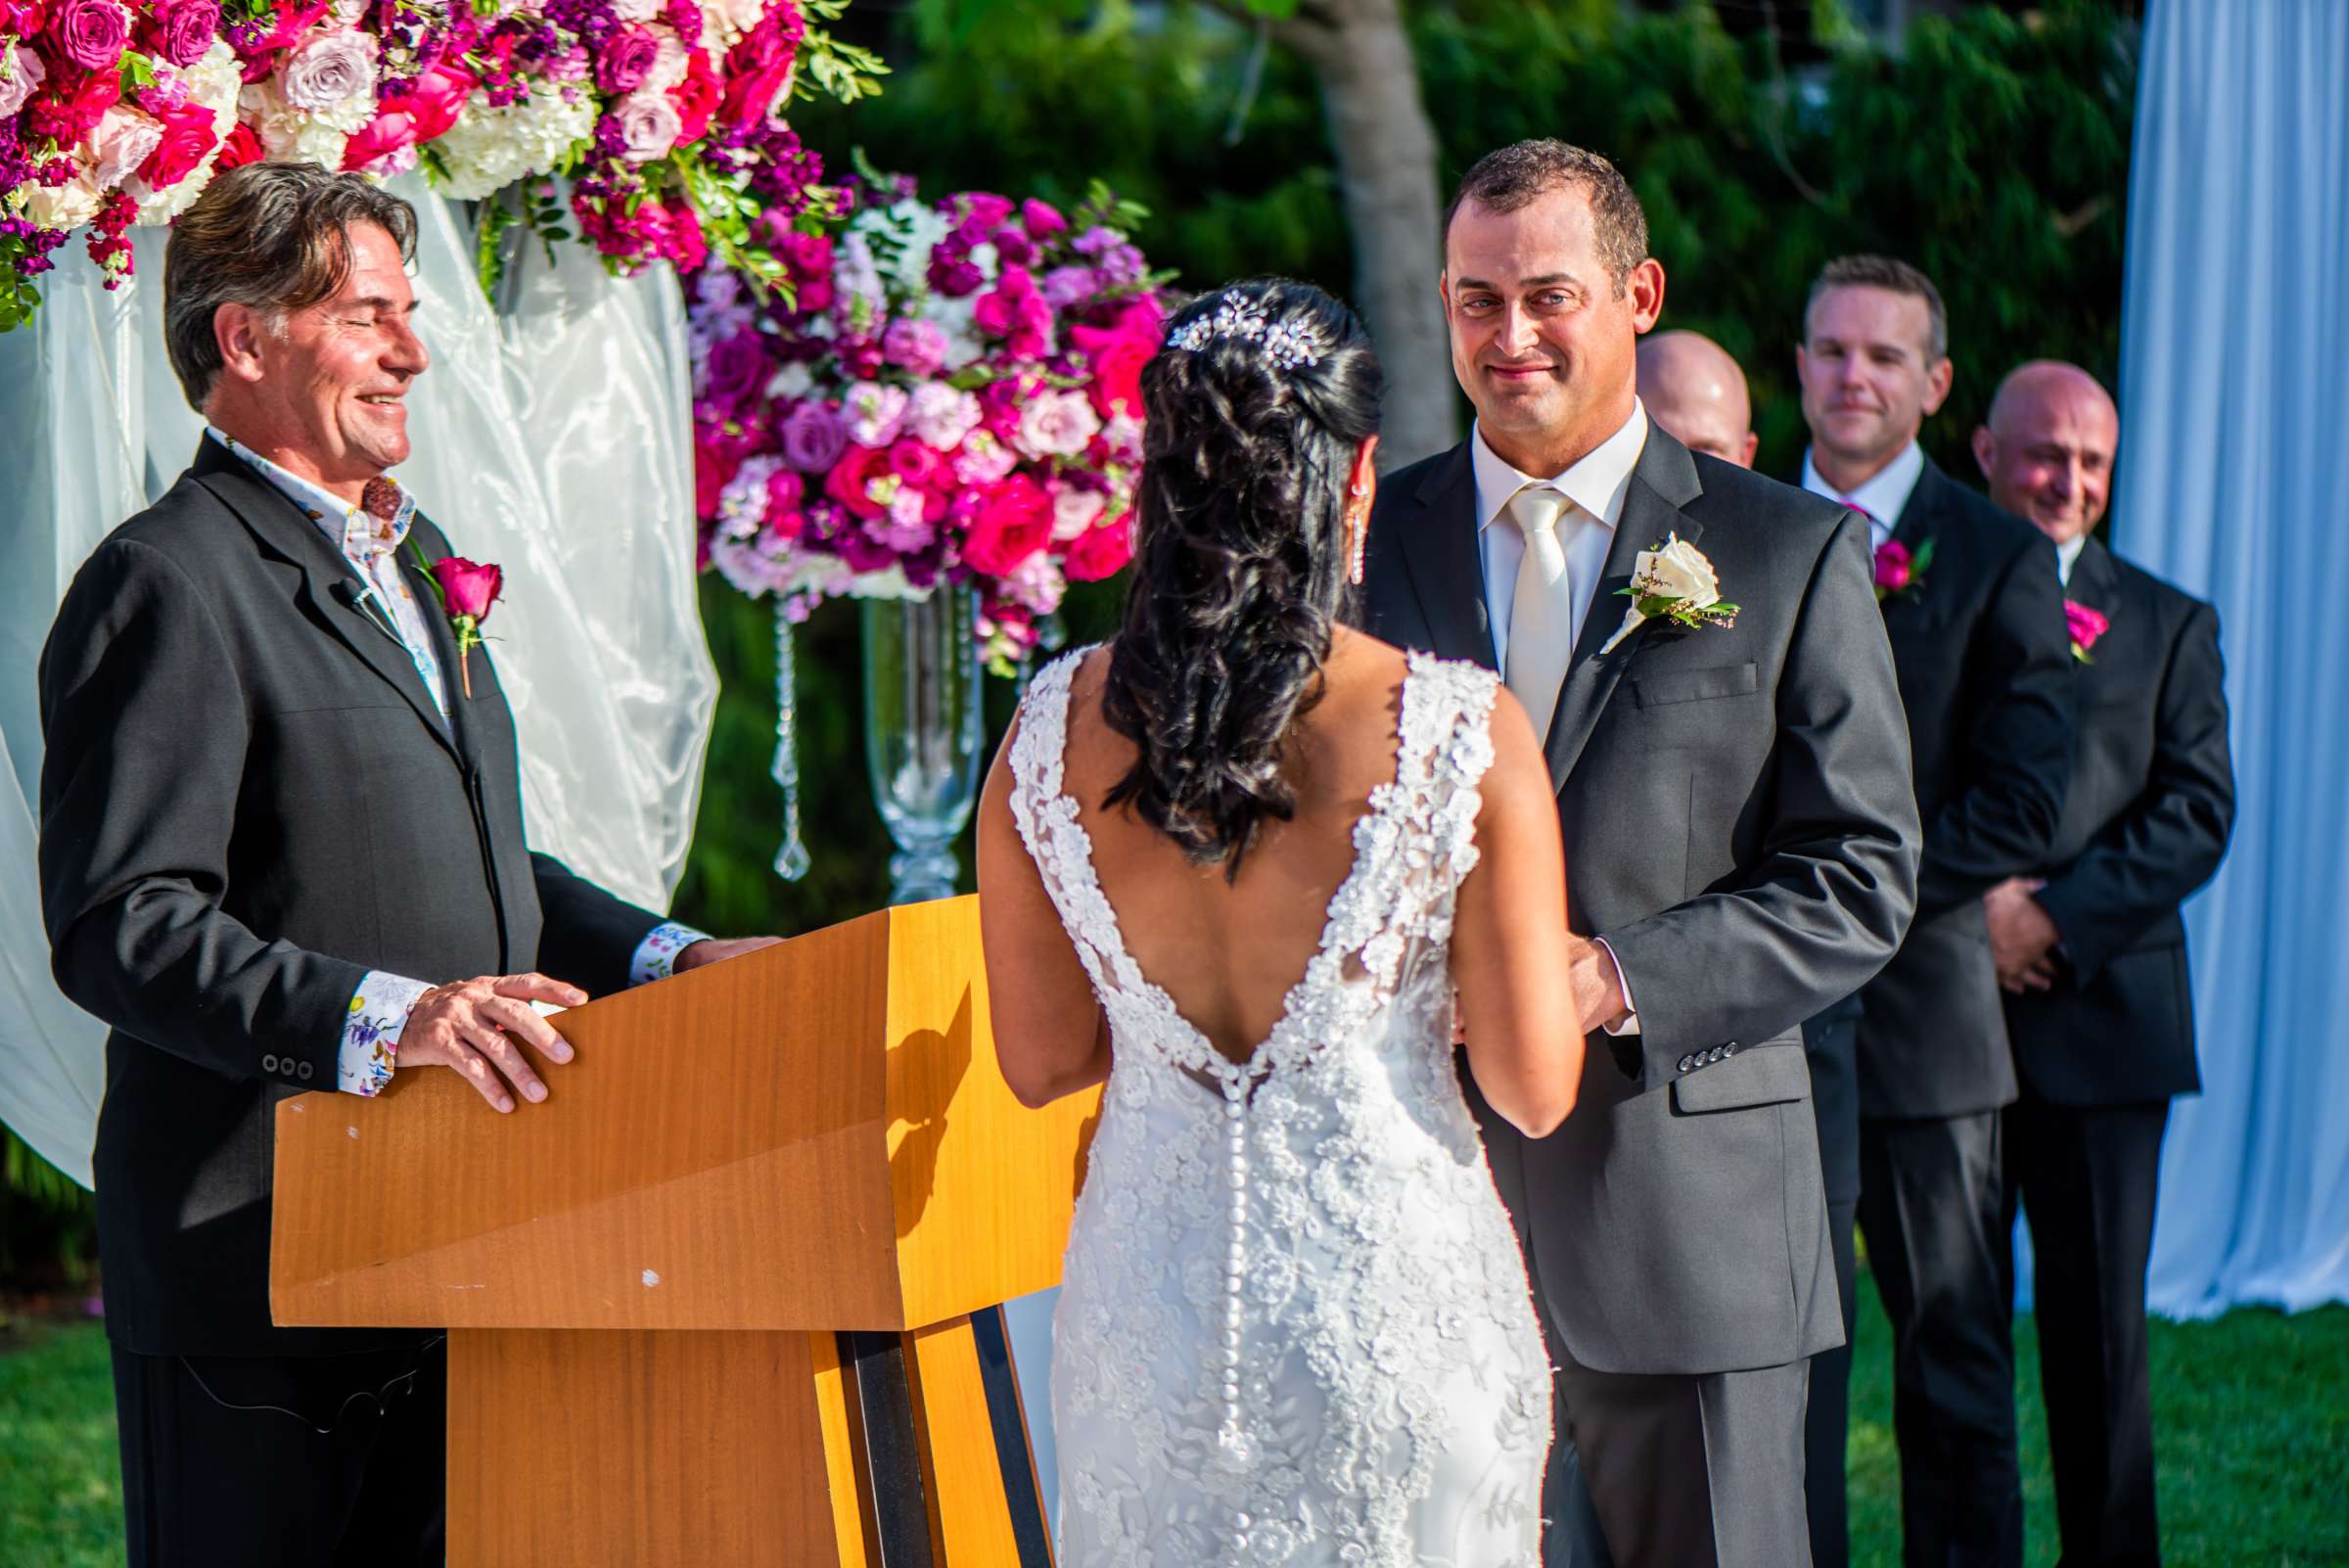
[(1541, 609)]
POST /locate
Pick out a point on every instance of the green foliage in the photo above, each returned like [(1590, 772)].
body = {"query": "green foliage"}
[(1993, 152), (46, 1218)]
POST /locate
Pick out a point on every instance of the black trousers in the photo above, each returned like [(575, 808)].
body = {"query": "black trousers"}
[(1830, 1043), (324, 1461), (1676, 1471), (1932, 1207), (2085, 1178)]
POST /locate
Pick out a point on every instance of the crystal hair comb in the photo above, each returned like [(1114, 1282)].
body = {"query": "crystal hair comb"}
[(1283, 341)]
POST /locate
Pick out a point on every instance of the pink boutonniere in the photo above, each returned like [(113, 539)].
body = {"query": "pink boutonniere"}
[(466, 590), (2086, 627), (1901, 571)]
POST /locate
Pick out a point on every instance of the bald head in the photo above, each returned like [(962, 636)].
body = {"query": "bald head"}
[(1696, 392), (2048, 447)]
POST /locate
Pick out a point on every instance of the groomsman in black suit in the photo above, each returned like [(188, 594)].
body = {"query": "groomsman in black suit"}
[(1696, 392), (282, 851), (1975, 613), (2092, 955)]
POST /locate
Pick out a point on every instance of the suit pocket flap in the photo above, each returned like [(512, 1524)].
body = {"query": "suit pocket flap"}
[(1764, 1076), (1657, 688)]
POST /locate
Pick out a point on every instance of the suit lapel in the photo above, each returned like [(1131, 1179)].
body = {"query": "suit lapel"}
[(2093, 582), (328, 584), (1662, 481), (1446, 564)]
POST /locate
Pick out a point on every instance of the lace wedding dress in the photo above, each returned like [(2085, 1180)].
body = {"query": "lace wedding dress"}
[(1295, 1326)]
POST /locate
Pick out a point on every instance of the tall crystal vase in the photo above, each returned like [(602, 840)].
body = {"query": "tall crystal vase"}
[(924, 726)]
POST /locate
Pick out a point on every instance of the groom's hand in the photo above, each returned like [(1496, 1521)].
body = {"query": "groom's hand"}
[(1597, 987), (2022, 936), (717, 949), (472, 1026)]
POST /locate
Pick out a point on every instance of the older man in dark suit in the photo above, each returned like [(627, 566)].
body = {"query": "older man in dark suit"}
[(1740, 849), (2092, 953), (282, 850)]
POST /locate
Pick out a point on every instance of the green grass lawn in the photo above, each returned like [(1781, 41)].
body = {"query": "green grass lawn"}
[(2251, 1417)]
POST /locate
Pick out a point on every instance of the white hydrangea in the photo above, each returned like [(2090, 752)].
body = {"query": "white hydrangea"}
[(794, 382), (214, 81), (489, 148), (957, 318), (889, 583), (291, 135), (904, 233)]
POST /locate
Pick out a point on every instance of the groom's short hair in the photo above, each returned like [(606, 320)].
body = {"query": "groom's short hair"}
[(1516, 176), (273, 236)]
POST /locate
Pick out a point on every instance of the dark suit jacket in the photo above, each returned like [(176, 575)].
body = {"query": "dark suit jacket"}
[(1986, 676), (249, 801), (1739, 828), (2144, 824)]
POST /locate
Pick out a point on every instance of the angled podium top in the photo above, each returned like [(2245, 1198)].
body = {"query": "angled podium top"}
[(811, 1136)]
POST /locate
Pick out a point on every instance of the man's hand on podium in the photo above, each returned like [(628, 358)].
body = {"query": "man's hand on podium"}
[(470, 1024), (717, 949)]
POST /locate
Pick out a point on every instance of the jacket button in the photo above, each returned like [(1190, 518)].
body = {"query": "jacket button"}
[(268, 1064), (301, 1070), (1687, 1062)]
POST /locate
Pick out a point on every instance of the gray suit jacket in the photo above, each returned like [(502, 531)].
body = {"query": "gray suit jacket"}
[(1740, 828)]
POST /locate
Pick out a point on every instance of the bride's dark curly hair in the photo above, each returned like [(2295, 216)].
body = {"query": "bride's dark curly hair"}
[(1240, 559)]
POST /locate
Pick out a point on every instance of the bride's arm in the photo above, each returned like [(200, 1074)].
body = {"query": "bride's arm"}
[(1051, 1037), (1510, 951)]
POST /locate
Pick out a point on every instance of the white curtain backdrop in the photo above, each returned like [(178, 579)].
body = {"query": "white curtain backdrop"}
[(551, 436), (2234, 408)]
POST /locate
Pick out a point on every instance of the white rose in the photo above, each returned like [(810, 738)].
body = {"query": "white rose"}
[(329, 71), (1679, 570), (1056, 425), (728, 19), (636, 10), (649, 125)]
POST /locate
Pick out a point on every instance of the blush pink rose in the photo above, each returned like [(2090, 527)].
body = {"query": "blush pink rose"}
[(20, 74), (470, 587), (649, 124), (1009, 521), (119, 144), (330, 69)]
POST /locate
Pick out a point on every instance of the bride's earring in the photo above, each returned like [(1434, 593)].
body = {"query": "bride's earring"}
[(1357, 527)]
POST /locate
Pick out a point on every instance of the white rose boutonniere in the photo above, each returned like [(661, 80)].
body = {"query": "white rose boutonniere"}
[(1673, 581)]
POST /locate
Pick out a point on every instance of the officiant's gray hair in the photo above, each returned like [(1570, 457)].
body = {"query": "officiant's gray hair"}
[(271, 237), (1518, 175)]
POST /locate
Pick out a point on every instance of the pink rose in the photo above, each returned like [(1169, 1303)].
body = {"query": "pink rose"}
[(2086, 625), (240, 147), (749, 97), (1117, 356), (330, 69), (469, 588), (90, 34), (293, 20), (21, 73), (984, 209), (916, 346), (187, 135), (437, 97), (785, 490), (1009, 522), (921, 465), (119, 144), (851, 480), (391, 131), (626, 58), (648, 123), (182, 30), (697, 97), (1043, 220), (1896, 568), (1102, 553), (713, 468)]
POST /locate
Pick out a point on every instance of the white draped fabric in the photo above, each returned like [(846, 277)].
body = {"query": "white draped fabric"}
[(552, 436), (2234, 407)]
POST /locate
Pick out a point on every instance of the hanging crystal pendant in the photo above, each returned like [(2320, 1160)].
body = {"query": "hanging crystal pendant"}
[(790, 861)]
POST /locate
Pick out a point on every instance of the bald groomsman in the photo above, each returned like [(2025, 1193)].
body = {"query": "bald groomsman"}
[(2092, 955), (1975, 615), (1696, 392)]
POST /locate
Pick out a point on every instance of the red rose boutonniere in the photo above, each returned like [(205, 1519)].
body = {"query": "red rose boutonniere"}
[(466, 590), (1901, 571), (2086, 627)]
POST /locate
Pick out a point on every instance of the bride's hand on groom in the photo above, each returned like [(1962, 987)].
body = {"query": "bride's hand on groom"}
[(717, 949)]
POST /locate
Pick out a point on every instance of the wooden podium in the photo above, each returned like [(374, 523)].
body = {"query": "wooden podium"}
[(728, 1297)]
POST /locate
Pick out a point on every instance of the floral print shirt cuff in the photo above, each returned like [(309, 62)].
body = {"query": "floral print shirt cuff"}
[(657, 954), (379, 1011)]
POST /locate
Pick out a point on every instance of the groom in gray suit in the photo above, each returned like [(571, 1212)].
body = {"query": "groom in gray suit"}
[(1741, 849)]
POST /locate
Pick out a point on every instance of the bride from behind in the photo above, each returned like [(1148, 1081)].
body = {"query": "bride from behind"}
[(1239, 862)]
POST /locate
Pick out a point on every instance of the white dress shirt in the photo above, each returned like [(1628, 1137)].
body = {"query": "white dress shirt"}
[(1597, 486), (2068, 556), (1883, 496)]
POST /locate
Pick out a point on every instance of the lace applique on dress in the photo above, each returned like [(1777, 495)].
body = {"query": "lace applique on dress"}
[(1296, 1327)]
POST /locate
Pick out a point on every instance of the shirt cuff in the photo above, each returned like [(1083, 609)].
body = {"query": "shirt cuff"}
[(1628, 1023), (657, 954), (379, 1011)]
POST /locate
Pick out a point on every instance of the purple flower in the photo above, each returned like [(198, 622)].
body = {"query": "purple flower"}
[(1097, 240), (814, 437), (1121, 264), (1064, 287), (735, 369)]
